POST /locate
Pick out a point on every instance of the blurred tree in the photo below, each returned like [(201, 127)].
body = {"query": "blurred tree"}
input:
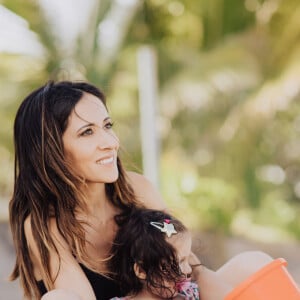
[(229, 105)]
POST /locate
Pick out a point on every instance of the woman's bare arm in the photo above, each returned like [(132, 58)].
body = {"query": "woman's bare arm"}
[(145, 191), (67, 273), (60, 294)]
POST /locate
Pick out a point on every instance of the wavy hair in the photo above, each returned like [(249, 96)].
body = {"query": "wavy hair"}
[(139, 242), (45, 186)]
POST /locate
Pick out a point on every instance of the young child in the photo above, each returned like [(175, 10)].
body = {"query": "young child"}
[(150, 257)]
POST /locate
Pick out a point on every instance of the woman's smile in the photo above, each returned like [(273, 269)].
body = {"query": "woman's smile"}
[(105, 161), (90, 143)]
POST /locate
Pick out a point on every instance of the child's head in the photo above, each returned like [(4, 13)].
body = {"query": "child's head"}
[(150, 251)]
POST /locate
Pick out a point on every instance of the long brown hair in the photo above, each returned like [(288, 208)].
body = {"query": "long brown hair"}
[(45, 186)]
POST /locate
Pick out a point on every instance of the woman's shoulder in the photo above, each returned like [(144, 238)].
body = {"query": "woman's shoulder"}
[(29, 233), (63, 265), (33, 247), (145, 191), (31, 244), (28, 228)]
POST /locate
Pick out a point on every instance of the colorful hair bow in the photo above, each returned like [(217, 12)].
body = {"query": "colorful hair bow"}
[(165, 227)]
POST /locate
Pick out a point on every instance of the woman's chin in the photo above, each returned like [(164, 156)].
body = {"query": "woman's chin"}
[(113, 178)]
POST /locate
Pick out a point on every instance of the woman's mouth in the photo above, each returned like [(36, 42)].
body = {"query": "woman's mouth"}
[(105, 161)]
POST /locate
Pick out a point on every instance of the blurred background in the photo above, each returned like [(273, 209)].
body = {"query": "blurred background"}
[(226, 88)]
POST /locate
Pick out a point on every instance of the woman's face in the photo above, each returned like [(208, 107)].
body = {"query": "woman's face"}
[(90, 145)]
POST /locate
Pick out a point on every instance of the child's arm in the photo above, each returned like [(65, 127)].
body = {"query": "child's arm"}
[(211, 285), (243, 265), (215, 285)]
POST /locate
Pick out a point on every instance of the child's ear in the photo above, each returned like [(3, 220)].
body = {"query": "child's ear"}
[(139, 272)]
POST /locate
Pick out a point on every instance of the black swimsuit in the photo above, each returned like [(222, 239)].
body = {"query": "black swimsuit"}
[(103, 287)]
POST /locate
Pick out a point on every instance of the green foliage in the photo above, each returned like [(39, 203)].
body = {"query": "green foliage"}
[(229, 77)]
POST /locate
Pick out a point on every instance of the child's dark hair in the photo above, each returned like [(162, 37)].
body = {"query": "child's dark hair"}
[(137, 241)]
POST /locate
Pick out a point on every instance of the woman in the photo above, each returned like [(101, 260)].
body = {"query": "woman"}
[(70, 191)]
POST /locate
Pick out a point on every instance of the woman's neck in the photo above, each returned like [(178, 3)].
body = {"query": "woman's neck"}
[(96, 201)]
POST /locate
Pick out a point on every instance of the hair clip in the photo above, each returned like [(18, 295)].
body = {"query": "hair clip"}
[(166, 227)]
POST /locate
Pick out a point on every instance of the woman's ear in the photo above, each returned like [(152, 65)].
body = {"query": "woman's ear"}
[(139, 272)]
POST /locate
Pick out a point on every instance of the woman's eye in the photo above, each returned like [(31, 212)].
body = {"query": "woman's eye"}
[(109, 125), (88, 131)]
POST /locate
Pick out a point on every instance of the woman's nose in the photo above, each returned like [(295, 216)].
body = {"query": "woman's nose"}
[(108, 140)]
